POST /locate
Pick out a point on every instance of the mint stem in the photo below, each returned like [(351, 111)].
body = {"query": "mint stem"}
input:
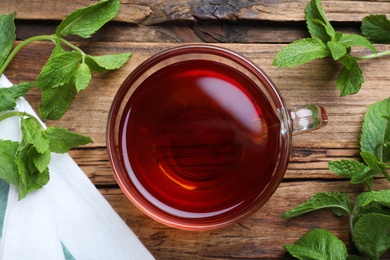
[(21, 115), (387, 176), (21, 45), (54, 38), (372, 56)]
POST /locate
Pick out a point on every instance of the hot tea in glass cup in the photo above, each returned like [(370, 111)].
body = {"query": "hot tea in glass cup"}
[(199, 137)]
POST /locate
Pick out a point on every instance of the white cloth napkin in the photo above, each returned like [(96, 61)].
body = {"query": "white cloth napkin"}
[(67, 219)]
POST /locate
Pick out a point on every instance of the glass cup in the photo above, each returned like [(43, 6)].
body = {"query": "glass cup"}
[(199, 137)]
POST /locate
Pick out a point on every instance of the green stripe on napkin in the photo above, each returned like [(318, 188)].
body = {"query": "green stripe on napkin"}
[(4, 188), (67, 254)]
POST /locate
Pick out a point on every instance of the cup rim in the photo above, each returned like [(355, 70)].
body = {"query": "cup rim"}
[(285, 142)]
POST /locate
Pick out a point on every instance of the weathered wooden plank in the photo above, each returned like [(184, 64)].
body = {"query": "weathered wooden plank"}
[(209, 32), (150, 12), (261, 236), (311, 83)]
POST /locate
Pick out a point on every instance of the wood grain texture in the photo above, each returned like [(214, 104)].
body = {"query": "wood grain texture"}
[(149, 12), (261, 236), (203, 31), (257, 29)]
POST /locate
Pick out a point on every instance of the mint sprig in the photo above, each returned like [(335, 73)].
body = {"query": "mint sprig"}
[(369, 215), (325, 42), (26, 164), (369, 222), (68, 71), (374, 148)]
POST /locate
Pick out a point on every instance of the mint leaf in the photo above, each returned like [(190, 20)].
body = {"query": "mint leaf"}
[(82, 77), (8, 36), (8, 95), (348, 168), (8, 167), (376, 28), (357, 171), (300, 52), (371, 202), (376, 166), (56, 101), (61, 140), (59, 69), (338, 202), (32, 157), (86, 21), (31, 177), (371, 233), (351, 78), (317, 22), (107, 62), (304, 252), (376, 131), (42, 160), (33, 134), (318, 244), (364, 199), (354, 40), (337, 49)]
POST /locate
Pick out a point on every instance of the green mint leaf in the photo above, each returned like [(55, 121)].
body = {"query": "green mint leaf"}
[(376, 166), (337, 49), (317, 22), (56, 101), (357, 171), (61, 140), (376, 28), (59, 69), (8, 167), (300, 52), (354, 40), (318, 244), (33, 134), (8, 95), (381, 197), (107, 62), (371, 233), (86, 21), (304, 252), (82, 77), (348, 168), (371, 202), (376, 131), (8, 35), (338, 202), (31, 177), (351, 78), (41, 161)]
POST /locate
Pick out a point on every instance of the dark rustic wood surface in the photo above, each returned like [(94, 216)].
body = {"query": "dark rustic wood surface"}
[(257, 29)]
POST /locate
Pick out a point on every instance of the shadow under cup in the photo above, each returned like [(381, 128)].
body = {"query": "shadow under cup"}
[(199, 138)]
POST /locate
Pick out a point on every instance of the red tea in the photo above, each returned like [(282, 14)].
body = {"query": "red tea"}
[(199, 140)]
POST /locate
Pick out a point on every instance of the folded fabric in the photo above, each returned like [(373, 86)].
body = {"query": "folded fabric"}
[(66, 219)]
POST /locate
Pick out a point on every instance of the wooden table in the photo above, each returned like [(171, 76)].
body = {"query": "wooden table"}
[(257, 29)]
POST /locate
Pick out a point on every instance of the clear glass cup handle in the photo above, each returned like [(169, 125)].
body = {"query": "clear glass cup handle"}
[(307, 118)]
